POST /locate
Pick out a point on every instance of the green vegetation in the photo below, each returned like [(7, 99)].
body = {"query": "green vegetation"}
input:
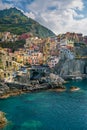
[(16, 22), (13, 45)]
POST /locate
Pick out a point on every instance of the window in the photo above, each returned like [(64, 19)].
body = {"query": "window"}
[(10, 63), (7, 63), (4, 74), (8, 74)]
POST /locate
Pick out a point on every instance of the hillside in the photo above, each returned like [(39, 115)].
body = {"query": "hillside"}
[(16, 22)]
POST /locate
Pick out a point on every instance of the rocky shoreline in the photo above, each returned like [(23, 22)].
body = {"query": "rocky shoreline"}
[(10, 93), (8, 89), (15, 88)]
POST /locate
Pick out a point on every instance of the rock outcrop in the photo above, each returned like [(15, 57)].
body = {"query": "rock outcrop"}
[(13, 88), (3, 89), (56, 78), (3, 120), (74, 88)]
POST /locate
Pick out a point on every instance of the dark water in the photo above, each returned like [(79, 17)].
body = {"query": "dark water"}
[(48, 110)]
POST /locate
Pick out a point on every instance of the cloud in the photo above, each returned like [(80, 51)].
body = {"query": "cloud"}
[(30, 15), (18, 3), (58, 15), (5, 5)]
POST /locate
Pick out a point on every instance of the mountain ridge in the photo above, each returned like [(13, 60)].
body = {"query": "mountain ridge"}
[(14, 21)]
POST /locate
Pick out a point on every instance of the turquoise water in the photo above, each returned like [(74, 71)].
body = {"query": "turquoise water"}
[(48, 110)]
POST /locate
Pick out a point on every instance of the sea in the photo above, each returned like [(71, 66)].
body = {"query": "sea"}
[(48, 110)]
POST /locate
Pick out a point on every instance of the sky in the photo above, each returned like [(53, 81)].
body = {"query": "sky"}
[(60, 16)]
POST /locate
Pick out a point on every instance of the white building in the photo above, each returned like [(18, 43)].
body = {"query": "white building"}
[(63, 42), (66, 53), (53, 60)]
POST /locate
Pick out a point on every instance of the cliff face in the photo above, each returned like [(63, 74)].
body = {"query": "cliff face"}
[(70, 67)]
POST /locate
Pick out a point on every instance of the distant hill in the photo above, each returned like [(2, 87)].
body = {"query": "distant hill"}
[(16, 22)]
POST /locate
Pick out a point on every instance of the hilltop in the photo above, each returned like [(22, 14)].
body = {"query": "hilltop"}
[(14, 21)]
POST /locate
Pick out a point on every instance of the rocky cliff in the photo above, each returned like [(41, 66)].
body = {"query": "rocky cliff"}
[(70, 67)]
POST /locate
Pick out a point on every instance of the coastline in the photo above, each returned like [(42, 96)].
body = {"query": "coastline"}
[(7, 95), (19, 89)]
